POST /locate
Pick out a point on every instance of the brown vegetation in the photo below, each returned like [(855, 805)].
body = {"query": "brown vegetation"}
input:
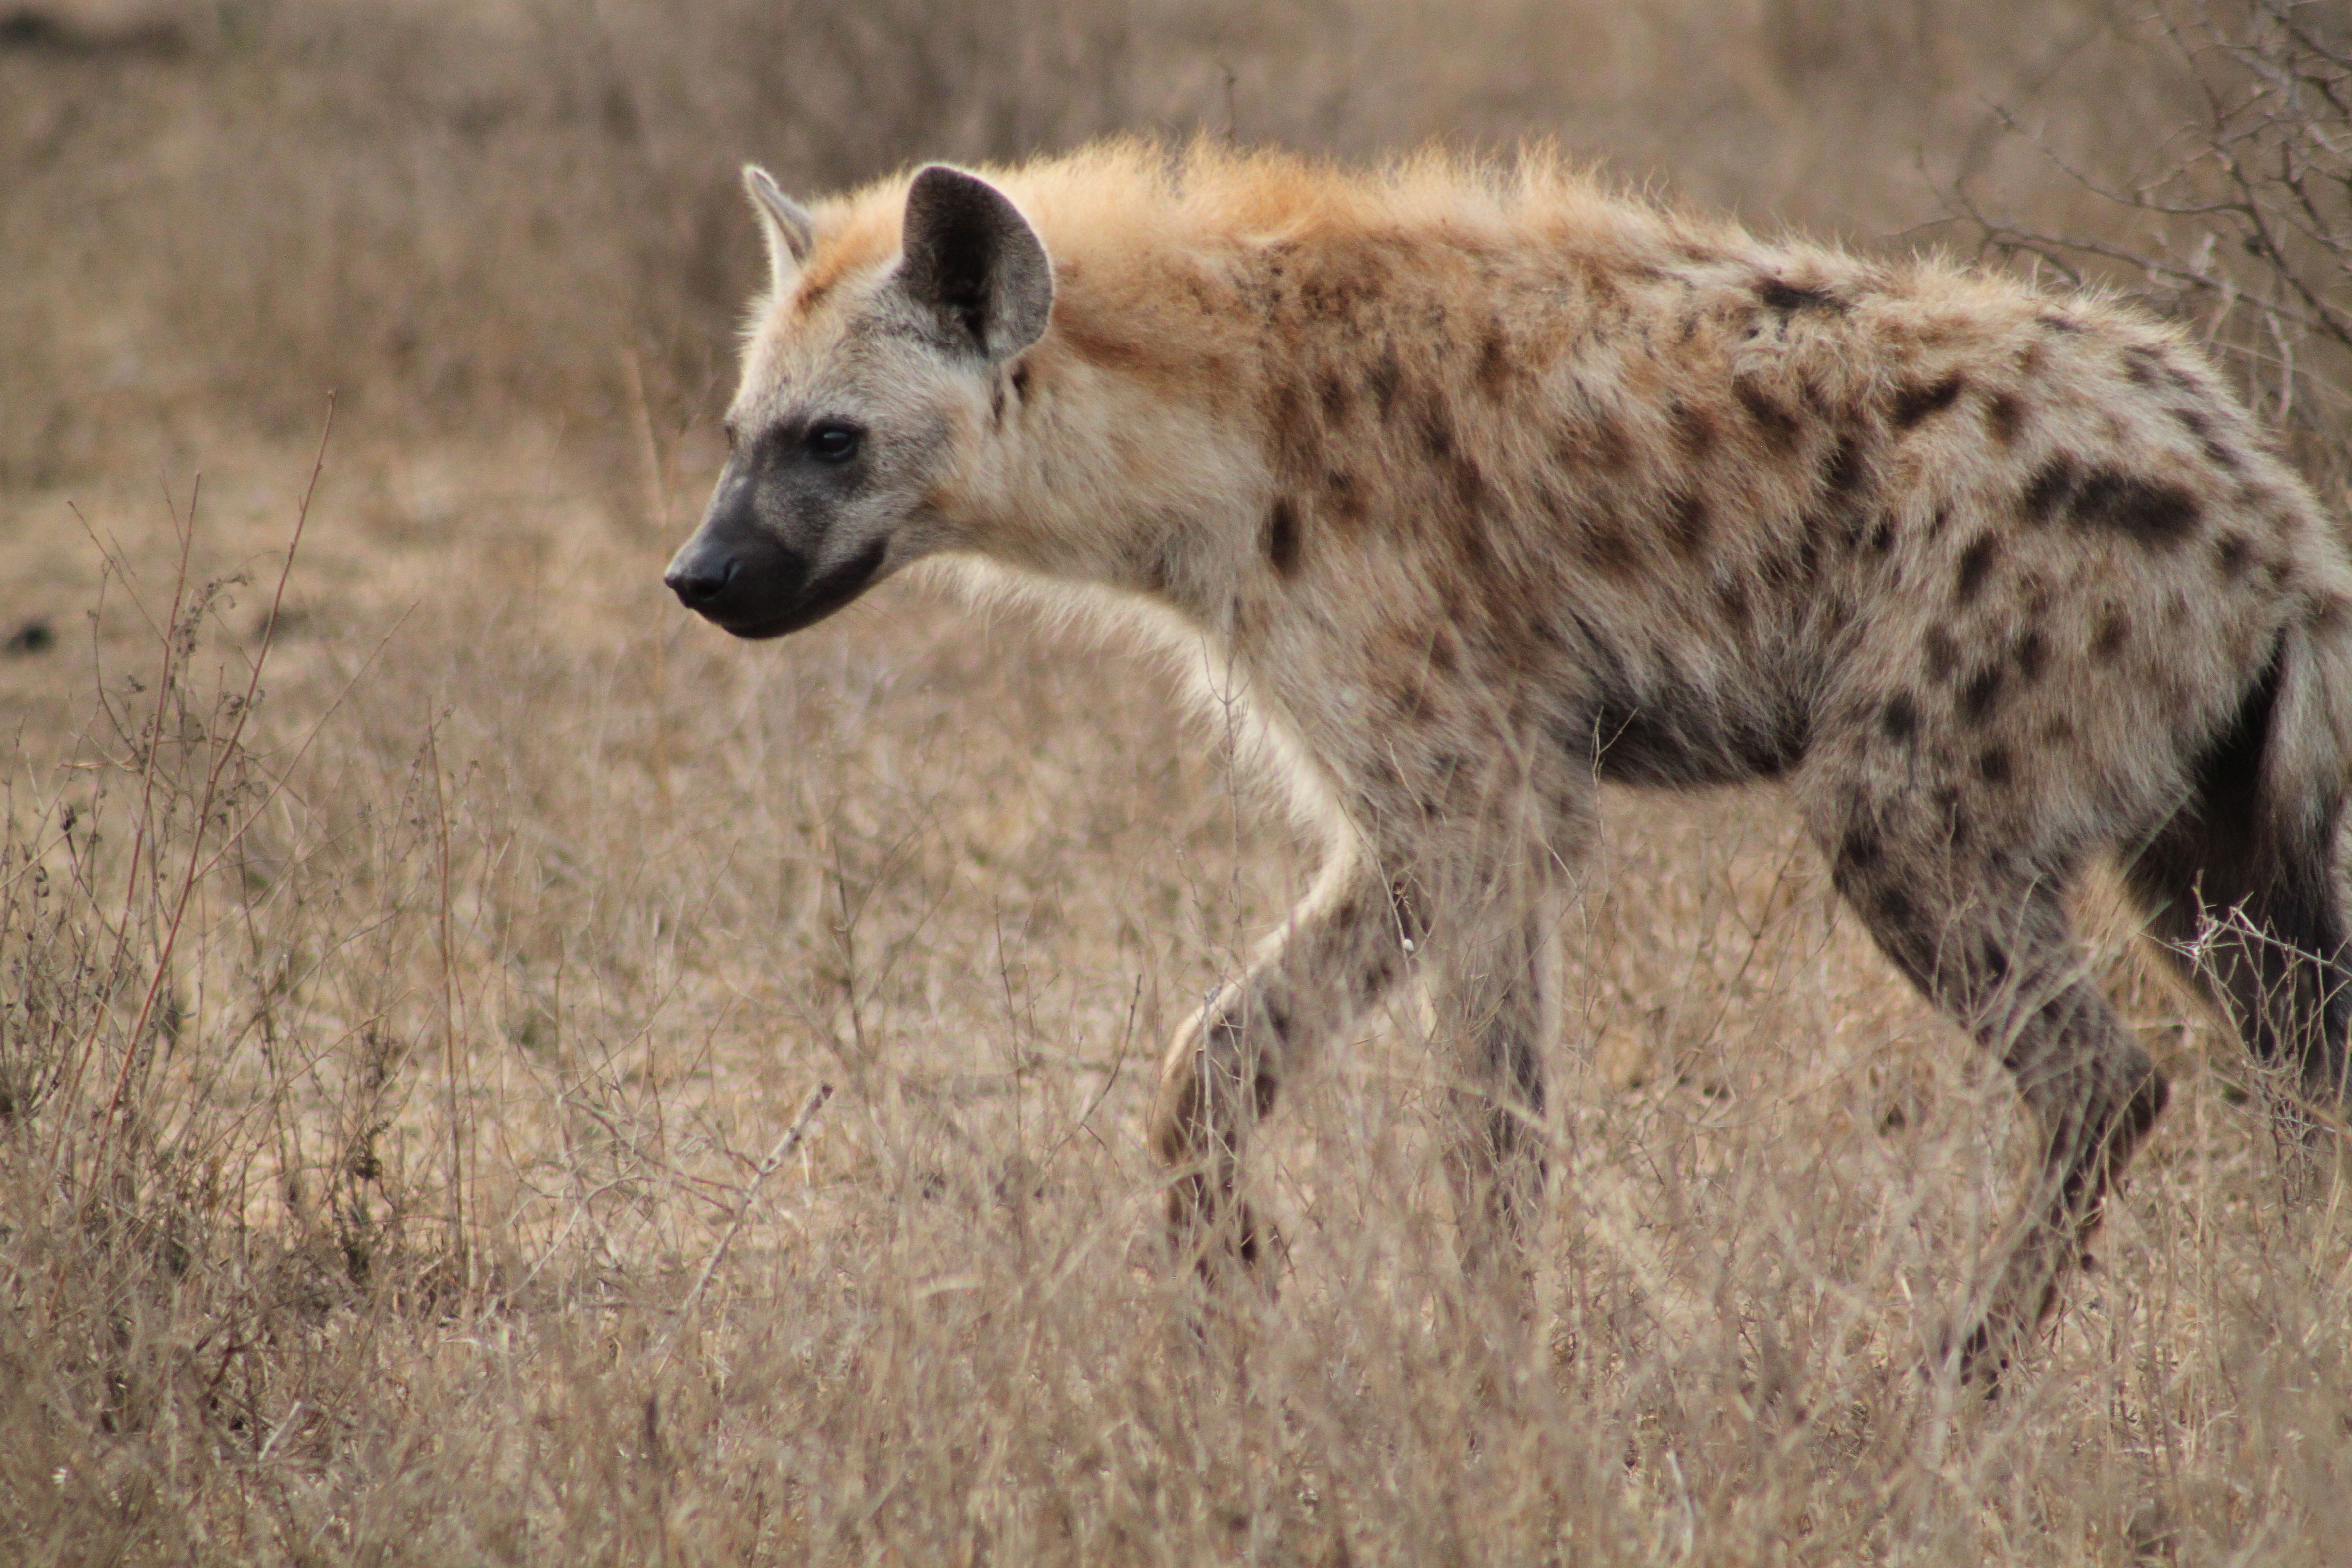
[(407, 988)]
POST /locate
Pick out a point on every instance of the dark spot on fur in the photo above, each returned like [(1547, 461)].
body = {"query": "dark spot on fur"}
[(1915, 402), (1598, 442), (1437, 432), (1495, 369), (1976, 565), (1282, 538), (1780, 745), (1384, 376), (1777, 294), (1842, 471), (1860, 849), (1992, 956), (2199, 425), (1731, 603), (2033, 657), (1152, 567), (1021, 380), (1347, 496), (2005, 417), (1471, 494), (1979, 693), (1994, 765), (2114, 629), (2151, 513), (1895, 907), (2230, 554), (2053, 322), (1335, 397), (1694, 427), (1686, 522), (1943, 657), (2047, 491), (1605, 547), (2140, 367), (1882, 538), (1478, 553), (1901, 719), (1610, 444), (1779, 427)]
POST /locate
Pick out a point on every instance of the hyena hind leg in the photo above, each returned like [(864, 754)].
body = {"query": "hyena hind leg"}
[(1489, 1005), (1340, 950), (1995, 953), (2241, 890)]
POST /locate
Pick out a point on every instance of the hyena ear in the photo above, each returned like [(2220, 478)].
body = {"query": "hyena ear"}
[(972, 260), (788, 229)]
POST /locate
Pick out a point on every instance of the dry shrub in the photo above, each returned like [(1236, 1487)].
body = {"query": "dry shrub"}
[(2238, 218)]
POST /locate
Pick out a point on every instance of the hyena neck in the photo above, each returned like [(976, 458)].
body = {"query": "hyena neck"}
[(1105, 479)]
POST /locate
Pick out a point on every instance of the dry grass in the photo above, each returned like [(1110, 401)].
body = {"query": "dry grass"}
[(396, 1069)]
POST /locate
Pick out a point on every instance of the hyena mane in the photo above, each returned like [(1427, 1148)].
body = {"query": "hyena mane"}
[(1474, 486)]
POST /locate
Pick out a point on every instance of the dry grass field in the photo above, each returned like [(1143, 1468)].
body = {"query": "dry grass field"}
[(492, 1071)]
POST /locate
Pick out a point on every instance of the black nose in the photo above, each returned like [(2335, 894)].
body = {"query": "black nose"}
[(697, 585)]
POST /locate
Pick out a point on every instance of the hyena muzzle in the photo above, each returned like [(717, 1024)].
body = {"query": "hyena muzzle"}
[(1481, 488)]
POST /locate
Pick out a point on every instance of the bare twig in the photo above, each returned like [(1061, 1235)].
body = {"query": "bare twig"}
[(228, 748), (776, 1157)]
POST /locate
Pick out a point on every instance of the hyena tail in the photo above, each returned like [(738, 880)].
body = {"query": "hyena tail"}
[(2240, 884)]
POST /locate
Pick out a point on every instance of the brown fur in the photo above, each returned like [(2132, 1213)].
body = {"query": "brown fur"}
[(1479, 485)]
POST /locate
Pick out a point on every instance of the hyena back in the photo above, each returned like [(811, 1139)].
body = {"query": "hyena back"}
[(1482, 486)]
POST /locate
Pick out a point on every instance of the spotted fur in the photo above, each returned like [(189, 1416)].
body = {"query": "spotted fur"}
[(1479, 485)]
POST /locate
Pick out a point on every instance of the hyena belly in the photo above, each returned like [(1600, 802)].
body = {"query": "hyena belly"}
[(1476, 493)]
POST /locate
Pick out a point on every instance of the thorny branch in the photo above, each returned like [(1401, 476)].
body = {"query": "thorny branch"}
[(2250, 225)]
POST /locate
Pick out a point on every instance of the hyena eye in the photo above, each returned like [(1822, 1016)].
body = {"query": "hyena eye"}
[(833, 442)]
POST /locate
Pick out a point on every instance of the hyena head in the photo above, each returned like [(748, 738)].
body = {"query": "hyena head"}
[(863, 395)]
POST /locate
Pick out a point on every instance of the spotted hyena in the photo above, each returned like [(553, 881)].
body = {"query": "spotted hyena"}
[(1482, 486)]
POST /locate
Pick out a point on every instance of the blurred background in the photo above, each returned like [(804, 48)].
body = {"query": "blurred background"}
[(461, 216)]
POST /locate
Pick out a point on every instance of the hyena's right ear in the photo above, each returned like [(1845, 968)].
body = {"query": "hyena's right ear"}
[(788, 229)]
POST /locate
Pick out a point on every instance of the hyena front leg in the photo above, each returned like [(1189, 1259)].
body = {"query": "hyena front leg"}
[(1340, 950), (1983, 933)]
